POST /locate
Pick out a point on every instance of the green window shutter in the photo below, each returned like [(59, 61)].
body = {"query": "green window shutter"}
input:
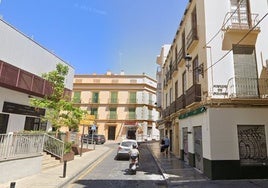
[(114, 97), (132, 113), (94, 111), (95, 97), (132, 97), (77, 97), (113, 114)]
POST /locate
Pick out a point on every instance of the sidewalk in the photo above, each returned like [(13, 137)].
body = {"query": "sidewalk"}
[(52, 177), (173, 169)]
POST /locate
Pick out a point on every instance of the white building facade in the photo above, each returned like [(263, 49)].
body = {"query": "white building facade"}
[(22, 62), (215, 88)]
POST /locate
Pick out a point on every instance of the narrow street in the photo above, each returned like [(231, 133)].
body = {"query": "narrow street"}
[(114, 173)]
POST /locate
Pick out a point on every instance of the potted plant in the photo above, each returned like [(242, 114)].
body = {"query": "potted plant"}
[(68, 154)]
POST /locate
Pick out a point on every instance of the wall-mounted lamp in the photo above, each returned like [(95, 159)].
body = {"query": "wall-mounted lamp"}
[(200, 68), (188, 58)]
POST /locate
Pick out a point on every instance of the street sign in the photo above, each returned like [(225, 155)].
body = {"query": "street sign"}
[(88, 120), (93, 127)]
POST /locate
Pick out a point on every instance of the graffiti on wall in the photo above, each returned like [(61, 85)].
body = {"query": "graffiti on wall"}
[(252, 145)]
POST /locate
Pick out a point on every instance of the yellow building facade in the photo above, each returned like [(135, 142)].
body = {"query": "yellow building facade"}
[(123, 105)]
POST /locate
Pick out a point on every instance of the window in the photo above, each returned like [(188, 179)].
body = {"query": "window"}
[(184, 83), (113, 114), (252, 144), (34, 124), (183, 44), (166, 100), (131, 113), (114, 97), (195, 71), (77, 97), (245, 69), (94, 111), (150, 115), (176, 89), (170, 96), (132, 97), (150, 98), (241, 12), (95, 97)]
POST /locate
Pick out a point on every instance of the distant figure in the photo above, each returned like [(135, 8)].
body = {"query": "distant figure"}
[(165, 144)]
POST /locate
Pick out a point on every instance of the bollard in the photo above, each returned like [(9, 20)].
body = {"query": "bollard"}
[(12, 184), (64, 168)]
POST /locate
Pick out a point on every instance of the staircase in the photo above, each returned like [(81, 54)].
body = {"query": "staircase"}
[(49, 161)]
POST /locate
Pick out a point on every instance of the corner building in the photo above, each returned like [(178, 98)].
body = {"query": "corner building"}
[(215, 88), (123, 105)]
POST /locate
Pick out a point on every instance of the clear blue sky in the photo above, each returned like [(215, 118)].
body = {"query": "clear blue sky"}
[(95, 36)]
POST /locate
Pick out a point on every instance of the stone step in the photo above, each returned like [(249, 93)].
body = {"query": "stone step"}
[(49, 161)]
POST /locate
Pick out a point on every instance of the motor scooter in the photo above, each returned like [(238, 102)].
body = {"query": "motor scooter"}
[(133, 164)]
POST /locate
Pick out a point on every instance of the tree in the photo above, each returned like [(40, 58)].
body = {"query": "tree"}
[(60, 111)]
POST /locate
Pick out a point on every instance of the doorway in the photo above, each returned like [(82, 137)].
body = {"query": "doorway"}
[(111, 132), (185, 144), (198, 149)]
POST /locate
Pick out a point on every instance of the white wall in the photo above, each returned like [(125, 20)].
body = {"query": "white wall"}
[(223, 129), (219, 130), (223, 70), (15, 121), (22, 52)]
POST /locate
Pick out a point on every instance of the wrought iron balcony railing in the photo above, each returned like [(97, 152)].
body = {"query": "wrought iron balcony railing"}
[(247, 88)]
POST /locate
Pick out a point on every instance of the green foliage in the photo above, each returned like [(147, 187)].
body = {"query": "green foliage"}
[(60, 111), (67, 147)]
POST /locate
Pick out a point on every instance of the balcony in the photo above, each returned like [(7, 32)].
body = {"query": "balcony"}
[(180, 102), (193, 94), (113, 101), (173, 107), (94, 101), (168, 76), (191, 40), (132, 101), (131, 116), (247, 88), (112, 116), (12, 77), (180, 56), (166, 112), (174, 67), (239, 28)]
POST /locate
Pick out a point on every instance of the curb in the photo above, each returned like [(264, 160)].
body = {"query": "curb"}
[(158, 165), (78, 173)]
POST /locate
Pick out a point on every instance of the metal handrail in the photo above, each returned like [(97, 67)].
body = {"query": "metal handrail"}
[(53, 146)]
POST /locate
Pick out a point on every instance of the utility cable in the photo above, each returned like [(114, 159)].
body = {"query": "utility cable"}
[(214, 36), (237, 43)]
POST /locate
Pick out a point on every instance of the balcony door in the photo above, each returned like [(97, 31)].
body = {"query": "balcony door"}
[(245, 67), (241, 13)]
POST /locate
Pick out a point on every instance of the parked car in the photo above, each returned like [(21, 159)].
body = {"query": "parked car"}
[(124, 148), (97, 138)]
